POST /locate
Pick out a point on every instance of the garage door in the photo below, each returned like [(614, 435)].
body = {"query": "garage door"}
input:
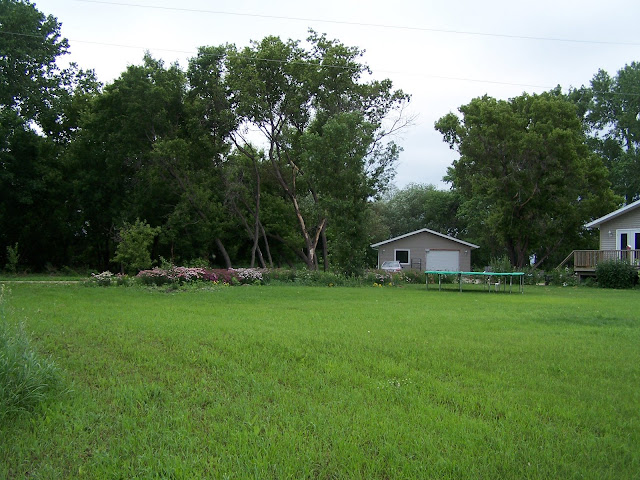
[(443, 260)]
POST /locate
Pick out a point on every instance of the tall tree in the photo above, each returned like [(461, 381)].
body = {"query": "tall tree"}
[(526, 177), (39, 109), (147, 150), (30, 43), (611, 109), (301, 101)]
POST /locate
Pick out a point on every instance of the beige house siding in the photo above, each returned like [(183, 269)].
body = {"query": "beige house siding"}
[(627, 221), (418, 243)]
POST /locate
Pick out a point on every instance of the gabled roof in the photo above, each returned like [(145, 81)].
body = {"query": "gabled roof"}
[(612, 215), (425, 230)]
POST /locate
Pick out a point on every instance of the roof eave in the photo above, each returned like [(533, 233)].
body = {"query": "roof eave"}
[(424, 230), (610, 216)]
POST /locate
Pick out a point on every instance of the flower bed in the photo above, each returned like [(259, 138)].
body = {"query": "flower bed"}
[(162, 276)]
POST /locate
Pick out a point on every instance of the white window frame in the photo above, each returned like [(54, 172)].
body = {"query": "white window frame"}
[(629, 232), (395, 252)]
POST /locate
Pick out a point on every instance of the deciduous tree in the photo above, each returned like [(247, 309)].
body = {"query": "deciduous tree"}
[(527, 179), (39, 108), (323, 127), (611, 109)]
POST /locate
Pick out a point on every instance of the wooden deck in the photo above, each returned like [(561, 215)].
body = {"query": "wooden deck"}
[(585, 261)]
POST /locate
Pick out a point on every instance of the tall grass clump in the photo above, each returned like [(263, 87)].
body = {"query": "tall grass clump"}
[(26, 378)]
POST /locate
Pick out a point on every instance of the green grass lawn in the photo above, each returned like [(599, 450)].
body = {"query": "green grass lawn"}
[(302, 382)]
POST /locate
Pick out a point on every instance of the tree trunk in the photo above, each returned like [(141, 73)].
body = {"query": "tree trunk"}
[(223, 250), (310, 243), (325, 249), (266, 245)]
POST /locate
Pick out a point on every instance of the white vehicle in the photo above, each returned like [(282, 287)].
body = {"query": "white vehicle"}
[(391, 266)]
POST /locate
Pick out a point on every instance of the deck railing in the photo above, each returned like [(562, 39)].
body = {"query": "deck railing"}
[(586, 260)]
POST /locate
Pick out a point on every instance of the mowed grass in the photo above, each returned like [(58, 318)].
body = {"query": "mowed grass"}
[(303, 382)]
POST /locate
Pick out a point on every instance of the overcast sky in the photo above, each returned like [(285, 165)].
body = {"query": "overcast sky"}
[(442, 53)]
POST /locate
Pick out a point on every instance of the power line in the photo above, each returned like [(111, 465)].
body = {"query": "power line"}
[(268, 60), (362, 24), (271, 60)]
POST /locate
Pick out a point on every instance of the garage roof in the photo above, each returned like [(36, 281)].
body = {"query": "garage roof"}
[(425, 230)]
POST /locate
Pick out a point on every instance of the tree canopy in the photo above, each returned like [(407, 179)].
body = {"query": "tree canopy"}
[(39, 108), (418, 206), (323, 128), (282, 153), (167, 147), (611, 111), (526, 177)]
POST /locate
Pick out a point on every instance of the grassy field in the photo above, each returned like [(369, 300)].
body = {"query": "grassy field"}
[(304, 382)]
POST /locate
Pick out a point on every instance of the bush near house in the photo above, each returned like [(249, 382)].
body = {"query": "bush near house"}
[(616, 274)]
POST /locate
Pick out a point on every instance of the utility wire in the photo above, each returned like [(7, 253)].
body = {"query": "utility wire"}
[(270, 60), (362, 24)]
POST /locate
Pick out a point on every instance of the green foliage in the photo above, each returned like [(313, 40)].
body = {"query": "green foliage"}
[(29, 45), (611, 110), (533, 276), (616, 274), (133, 250), (13, 257), (280, 275), (562, 277), (103, 279), (501, 264), (39, 109), (420, 206), (27, 379), (327, 120), (526, 177), (321, 278), (197, 263)]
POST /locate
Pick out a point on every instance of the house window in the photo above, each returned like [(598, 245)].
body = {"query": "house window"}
[(402, 256), (627, 237)]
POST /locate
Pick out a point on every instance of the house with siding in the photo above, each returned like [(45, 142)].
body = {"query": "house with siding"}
[(427, 250), (619, 240)]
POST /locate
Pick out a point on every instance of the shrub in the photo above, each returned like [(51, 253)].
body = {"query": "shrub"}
[(283, 275), (533, 276), (616, 274), (382, 277), (26, 378), (171, 274), (101, 279), (414, 276), (249, 276), (196, 263), (562, 277), (306, 277), (13, 257), (502, 264), (162, 276), (134, 244)]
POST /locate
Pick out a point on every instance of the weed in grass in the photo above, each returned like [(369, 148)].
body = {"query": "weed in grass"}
[(26, 377)]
